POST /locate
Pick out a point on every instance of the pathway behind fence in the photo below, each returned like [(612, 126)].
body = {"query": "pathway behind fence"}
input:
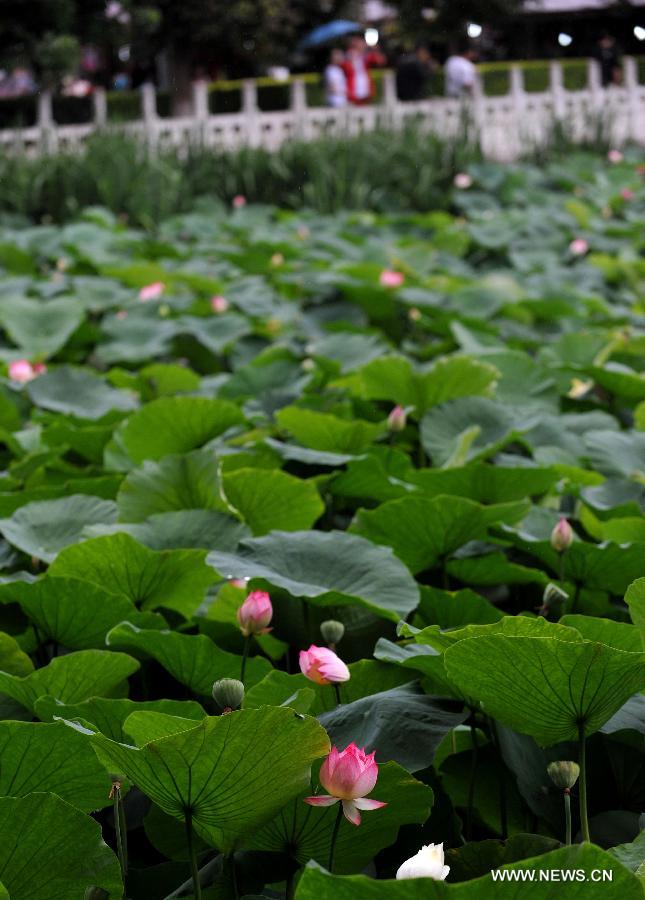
[(506, 125)]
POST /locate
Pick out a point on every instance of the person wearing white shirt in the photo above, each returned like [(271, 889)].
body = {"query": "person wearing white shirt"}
[(460, 73), (335, 80)]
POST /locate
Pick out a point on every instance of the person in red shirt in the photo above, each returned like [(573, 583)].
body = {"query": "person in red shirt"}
[(357, 64)]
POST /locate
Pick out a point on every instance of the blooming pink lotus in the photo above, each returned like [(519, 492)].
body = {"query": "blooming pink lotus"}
[(615, 156), (151, 291), (255, 613), (562, 536), (22, 371), (219, 304), (463, 181), (323, 666), (391, 278), (578, 247), (397, 419), (348, 775), (239, 200)]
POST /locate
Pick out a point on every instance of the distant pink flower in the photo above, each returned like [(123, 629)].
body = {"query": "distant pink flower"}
[(615, 156), (578, 247), (463, 181), (414, 314), (219, 304), (321, 665), (348, 775), (121, 314), (151, 291), (627, 194), (562, 536), (22, 371), (255, 613), (397, 419), (390, 278), (239, 200)]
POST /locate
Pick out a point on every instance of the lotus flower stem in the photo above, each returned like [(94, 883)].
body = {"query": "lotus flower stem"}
[(563, 557), (188, 820), (334, 835), (120, 829), (567, 816), (337, 692), (245, 656), (584, 821), (471, 786)]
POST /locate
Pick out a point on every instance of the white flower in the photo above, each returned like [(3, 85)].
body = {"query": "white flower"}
[(462, 181), (428, 863)]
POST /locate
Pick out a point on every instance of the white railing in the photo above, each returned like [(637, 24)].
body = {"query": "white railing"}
[(506, 124)]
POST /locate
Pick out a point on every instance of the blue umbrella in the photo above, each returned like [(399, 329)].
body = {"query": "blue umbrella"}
[(329, 32)]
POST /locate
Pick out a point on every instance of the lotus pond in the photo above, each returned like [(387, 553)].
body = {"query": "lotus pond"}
[(386, 470)]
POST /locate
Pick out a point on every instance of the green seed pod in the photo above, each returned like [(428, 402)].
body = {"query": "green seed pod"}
[(228, 693), (332, 631), (563, 773), (553, 593)]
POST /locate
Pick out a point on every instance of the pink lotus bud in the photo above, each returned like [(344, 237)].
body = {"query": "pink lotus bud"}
[(22, 371), (390, 278), (397, 419), (255, 613), (239, 200), (562, 536), (627, 194), (463, 181), (615, 156), (427, 863), (277, 259), (578, 247), (219, 304), (321, 665), (151, 291), (348, 775)]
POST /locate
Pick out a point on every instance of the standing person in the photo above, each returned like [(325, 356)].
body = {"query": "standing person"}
[(460, 72), (608, 56), (412, 71), (335, 80), (356, 65)]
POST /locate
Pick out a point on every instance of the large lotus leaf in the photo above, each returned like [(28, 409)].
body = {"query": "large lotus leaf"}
[(349, 349), (50, 850), (424, 531), (493, 569), (317, 884), (270, 500), (332, 568), (134, 339), (44, 528), (452, 609), (78, 392), (305, 832), (322, 431), (617, 453), (205, 529), (483, 424), (632, 855), (478, 858), (72, 678), (41, 328), (73, 613), (306, 455), (232, 773), (216, 333), (615, 497), (174, 579), (544, 687), (522, 382), (635, 600), (38, 757), (188, 481), (108, 715), (176, 425), (620, 380), (12, 658), (402, 724), (619, 635), (483, 482), (193, 659)]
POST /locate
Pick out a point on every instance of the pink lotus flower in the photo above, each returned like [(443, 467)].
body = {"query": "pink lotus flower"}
[(321, 665), (615, 156), (239, 200), (627, 194), (219, 304), (562, 536), (151, 291), (255, 613), (390, 278), (22, 371), (578, 247), (348, 775), (397, 419), (463, 181)]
